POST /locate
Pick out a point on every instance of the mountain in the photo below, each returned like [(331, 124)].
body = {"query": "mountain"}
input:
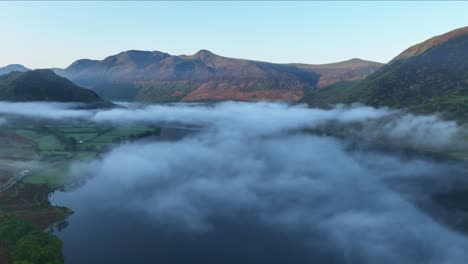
[(354, 69), (13, 67), (204, 76), (45, 85), (429, 77)]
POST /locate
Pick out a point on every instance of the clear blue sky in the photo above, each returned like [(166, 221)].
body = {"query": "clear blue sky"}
[(54, 34)]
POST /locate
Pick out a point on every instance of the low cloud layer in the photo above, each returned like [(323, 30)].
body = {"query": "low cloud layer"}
[(260, 160), (53, 111), (367, 124)]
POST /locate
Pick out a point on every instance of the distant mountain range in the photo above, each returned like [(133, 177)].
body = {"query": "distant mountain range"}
[(45, 85), (429, 77), (159, 77), (13, 67)]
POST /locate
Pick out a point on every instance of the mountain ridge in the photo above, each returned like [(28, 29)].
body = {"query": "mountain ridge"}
[(348, 70), (154, 76), (429, 43), (429, 77)]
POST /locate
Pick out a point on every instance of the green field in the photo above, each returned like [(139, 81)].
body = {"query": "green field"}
[(57, 146)]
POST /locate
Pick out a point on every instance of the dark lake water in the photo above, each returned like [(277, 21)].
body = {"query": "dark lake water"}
[(93, 235), (119, 237), (114, 234)]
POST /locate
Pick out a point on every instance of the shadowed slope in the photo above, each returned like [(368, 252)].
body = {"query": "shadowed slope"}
[(44, 85)]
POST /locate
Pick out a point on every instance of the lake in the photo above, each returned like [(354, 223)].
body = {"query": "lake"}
[(250, 189)]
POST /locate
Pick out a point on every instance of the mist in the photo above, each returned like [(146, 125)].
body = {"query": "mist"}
[(49, 110), (367, 124), (280, 165)]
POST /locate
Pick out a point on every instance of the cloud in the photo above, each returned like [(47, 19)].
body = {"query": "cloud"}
[(54, 111), (418, 132), (364, 123), (260, 160)]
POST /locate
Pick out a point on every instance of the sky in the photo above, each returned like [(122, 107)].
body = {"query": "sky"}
[(55, 34)]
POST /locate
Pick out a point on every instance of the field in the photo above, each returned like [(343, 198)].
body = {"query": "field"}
[(46, 152)]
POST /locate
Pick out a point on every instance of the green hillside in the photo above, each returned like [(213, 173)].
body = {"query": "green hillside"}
[(429, 77), (44, 85)]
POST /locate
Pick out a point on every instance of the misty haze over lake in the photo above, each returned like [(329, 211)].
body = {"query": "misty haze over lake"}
[(261, 182)]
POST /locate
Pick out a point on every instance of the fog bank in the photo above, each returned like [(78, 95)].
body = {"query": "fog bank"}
[(260, 160), (43, 110), (366, 124)]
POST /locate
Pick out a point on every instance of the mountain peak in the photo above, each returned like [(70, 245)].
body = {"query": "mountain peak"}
[(204, 55), (81, 64), (13, 67), (204, 52), (142, 53), (207, 57), (134, 52), (355, 60), (138, 58)]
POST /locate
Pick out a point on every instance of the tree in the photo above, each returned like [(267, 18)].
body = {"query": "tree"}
[(39, 247), (28, 244), (12, 229)]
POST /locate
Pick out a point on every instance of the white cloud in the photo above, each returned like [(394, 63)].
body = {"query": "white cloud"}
[(252, 158)]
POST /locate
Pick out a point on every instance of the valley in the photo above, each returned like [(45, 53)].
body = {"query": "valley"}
[(65, 164), (234, 132)]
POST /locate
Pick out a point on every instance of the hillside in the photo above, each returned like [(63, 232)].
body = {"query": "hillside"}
[(429, 77), (204, 76), (354, 69), (44, 85), (13, 67)]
